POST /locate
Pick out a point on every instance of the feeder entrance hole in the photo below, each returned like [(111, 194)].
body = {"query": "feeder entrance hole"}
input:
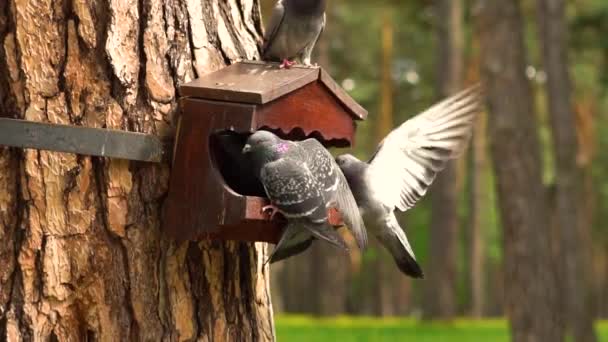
[(236, 169)]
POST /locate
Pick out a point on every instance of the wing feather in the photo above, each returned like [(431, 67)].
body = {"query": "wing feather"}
[(328, 173), (409, 158)]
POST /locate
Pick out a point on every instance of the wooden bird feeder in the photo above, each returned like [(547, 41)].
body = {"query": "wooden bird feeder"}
[(213, 191)]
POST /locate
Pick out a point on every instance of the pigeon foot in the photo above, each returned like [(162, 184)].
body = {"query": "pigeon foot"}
[(286, 64), (270, 210)]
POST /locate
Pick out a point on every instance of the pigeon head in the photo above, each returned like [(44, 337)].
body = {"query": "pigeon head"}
[(351, 166), (347, 160), (264, 146), (260, 138), (307, 7)]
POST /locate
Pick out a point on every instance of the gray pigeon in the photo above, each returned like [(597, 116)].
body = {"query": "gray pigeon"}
[(405, 164), (337, 193), (302, 180), (293, 30)]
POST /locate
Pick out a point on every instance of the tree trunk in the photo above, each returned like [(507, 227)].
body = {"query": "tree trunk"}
[(382, 283), (440, 297), (592, 255), (479, 209), (575, 290), (83, 254), (480, 200), (530, 286)]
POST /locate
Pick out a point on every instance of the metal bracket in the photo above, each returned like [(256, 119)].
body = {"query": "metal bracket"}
[(81, 140)]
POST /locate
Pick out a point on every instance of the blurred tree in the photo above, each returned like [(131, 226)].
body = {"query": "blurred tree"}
[(479, 199), (531, 296), (440, 298), (479, 209), (575, 294), (385, 304), (81, 251)]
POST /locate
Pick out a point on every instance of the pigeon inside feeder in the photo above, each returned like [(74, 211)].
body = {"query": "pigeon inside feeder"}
[(213, 192)]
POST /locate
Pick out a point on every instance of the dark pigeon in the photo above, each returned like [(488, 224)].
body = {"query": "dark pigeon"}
[(336, 192), (293, 191)]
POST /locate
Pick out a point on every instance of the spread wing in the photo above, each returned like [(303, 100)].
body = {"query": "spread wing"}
[(409, 158), (272, 28)]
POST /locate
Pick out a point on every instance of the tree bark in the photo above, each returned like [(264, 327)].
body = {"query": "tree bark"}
[(575, 294), (479, 210), (440, 298), (83, 254), (480, 200), (586, 120), (383, 284), (530, 285)]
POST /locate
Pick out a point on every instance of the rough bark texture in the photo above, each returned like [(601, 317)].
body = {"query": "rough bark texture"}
[(440, 294), (530, 286), (575, 293), (82, 252)]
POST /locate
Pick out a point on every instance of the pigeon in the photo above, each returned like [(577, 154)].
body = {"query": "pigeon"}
[(293, 30), (302, 180), (337, 193), (403, 167)]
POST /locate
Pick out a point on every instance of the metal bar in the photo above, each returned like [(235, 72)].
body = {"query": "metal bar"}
[(81, 140)]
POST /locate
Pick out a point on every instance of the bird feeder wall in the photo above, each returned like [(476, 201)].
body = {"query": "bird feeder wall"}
[(213, 192)]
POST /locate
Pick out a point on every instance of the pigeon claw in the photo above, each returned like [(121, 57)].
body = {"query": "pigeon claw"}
[(270, 210), (286, 64)]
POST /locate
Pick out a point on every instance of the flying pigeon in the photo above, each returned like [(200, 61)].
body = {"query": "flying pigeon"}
[(293, 30), (292, 189), (403, 167)]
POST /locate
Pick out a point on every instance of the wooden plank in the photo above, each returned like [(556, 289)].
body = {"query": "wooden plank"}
[(309, 111), (250, 82), (81, 140)]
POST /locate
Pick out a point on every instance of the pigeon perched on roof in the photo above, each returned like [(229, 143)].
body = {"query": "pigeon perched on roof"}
[(293, 30), (403, 167), (302, 189)]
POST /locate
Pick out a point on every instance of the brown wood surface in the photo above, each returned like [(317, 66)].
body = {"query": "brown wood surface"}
[(200, 203), (256, 225), (247, 82), (198, 200), (314, 111), (260, 83)]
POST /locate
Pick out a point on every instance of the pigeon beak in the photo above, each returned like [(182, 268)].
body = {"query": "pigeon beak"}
[(246, 149)]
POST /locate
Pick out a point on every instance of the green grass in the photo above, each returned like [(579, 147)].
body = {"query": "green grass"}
[(363, 329)]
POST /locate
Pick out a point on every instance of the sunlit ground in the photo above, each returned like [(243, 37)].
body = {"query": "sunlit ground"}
[(349, 329)]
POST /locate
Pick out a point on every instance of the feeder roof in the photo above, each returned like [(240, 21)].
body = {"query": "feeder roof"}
[(259, 83)]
